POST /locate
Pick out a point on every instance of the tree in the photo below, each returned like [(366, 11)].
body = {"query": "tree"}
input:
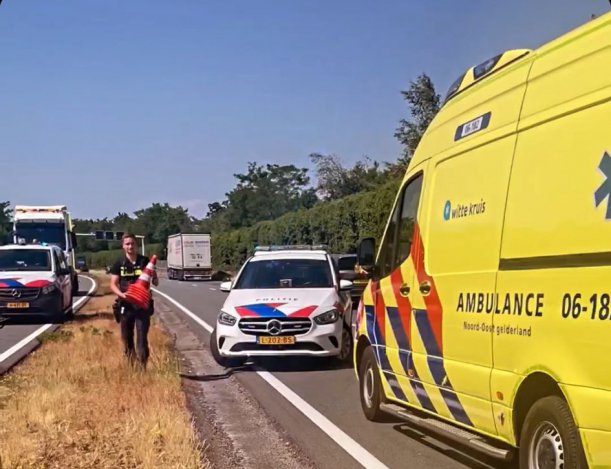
[(424, 103), (159, 221), (336, 181), (267, 192)]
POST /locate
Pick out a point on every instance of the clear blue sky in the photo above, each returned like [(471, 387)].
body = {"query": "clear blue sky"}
[(111, 105)]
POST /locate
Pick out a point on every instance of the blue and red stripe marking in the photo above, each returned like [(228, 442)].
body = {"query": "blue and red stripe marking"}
[(400, 319), (430, 325), (270, 310), (14, 283), (375, 322)]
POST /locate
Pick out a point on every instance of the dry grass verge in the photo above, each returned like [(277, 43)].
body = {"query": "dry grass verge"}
[(75, 403)]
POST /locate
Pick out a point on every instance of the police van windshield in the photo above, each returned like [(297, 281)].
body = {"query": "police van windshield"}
[(25, 260), (51, 233), (286, 273)]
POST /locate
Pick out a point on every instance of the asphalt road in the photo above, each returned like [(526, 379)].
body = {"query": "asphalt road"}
[(18, 338), (333, 432)]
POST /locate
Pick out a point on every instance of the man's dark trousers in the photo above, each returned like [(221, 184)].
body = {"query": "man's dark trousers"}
[(141, 321)]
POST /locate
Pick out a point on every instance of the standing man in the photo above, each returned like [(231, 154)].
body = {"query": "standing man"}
[(123, 273)]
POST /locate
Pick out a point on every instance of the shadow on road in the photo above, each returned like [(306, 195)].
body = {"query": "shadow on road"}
[(299, 364), (31, 321), (17, 320)]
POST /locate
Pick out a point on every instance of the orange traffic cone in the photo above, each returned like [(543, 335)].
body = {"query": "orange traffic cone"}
[(139, 292)]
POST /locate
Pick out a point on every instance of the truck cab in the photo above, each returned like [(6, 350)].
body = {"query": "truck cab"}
[(48, 224)]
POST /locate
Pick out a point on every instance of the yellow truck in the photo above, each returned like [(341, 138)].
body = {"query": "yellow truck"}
[(486, 317)]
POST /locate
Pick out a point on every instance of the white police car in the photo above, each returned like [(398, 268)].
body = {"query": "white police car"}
[(284, 301), (35, 280)]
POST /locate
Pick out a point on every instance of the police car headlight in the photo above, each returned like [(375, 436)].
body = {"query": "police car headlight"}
[(327, 318), (48, 289), (226, 319)]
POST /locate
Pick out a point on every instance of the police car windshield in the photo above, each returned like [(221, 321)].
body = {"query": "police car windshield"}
[(25, 260), (286, 273), (51, 233)]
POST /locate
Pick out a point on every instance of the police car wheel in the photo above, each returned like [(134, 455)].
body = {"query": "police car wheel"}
[(550, 438), (370, 387), (226, 362), (345, 347)]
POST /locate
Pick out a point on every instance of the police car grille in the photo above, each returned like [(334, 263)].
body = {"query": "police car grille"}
[(289, 326), (22, 293)]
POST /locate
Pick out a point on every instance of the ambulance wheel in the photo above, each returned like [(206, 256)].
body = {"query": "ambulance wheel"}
[(550, 438), (226, 362), (370, 387)]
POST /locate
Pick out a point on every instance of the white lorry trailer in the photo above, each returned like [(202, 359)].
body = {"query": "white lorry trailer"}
[(49, 224), (189, 257)]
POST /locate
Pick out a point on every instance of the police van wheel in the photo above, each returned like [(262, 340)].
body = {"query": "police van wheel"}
[(75, 286), (69, 313), (225, 362), (370, 387), (550, 438)]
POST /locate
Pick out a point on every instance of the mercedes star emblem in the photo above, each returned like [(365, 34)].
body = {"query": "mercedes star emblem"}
[(15, 293), (274, 327)]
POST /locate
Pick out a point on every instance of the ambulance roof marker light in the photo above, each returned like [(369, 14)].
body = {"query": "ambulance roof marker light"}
[(482, 70)]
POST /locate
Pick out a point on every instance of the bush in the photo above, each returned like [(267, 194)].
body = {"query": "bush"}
[(339, 224), (100, 259)]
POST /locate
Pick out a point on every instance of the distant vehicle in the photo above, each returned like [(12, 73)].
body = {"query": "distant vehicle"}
[(81, 264), (189, 257), (284, 301), (49, 224), (348, 269), (35, 280)]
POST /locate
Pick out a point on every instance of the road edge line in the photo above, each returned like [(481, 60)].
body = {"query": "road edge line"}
[(342, 439), (26, 340), (185, 310)]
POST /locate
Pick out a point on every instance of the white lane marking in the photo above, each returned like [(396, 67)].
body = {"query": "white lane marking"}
[(360, 454), (194, 284), (213, 289), (25, 341)]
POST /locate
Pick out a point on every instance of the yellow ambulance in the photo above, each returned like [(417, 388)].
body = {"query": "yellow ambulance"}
[(487, 314)]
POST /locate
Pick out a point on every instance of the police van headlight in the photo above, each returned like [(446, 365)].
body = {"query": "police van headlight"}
[(48, 289), (226, 319), (329, 317)]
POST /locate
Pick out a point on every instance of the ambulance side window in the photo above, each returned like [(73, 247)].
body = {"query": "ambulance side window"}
[(409, 211), (387, 252), (398, 241)]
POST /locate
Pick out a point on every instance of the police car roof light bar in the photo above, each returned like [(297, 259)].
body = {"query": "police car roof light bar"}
[(295, 247)]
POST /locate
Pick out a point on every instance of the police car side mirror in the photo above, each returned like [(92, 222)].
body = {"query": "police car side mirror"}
[(226, 287), (345, 285)]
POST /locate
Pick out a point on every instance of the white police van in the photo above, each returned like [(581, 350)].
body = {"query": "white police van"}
[(35, 281)]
